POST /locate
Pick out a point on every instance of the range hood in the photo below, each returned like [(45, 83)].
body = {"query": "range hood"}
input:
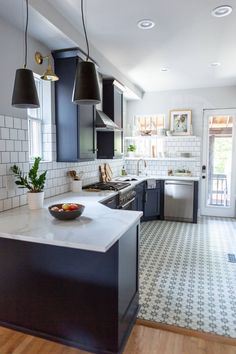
[(104, 123)]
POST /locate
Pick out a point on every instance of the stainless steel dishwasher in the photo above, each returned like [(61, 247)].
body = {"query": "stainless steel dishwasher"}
[(178, 202)]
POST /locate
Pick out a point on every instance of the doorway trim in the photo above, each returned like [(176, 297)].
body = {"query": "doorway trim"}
[(204, 208)]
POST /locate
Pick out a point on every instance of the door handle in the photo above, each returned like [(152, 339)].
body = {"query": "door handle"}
[(203, 177)]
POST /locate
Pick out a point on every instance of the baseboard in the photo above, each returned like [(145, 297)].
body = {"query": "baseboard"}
[(187, 332)]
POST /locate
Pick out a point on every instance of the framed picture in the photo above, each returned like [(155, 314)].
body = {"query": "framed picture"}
[(180, 121)]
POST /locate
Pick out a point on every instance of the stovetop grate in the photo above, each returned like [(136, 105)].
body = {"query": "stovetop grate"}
[(113, 186)]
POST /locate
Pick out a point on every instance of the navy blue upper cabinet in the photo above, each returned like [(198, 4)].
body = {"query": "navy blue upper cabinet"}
[(110, 144), (75, 124)]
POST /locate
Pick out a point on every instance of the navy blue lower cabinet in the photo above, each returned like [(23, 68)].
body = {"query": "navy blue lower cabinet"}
[(139, 198), (80, 298), (153, 202)]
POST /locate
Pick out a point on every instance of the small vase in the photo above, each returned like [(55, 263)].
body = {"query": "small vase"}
[(76, 186), (35, 200)]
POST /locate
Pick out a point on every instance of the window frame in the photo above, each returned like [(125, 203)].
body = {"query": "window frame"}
[(38, 119)]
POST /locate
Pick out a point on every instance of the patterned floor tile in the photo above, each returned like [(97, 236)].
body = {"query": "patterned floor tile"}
[(185, 276)]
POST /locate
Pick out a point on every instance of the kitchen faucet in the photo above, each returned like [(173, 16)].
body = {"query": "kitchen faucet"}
[(138, 163)]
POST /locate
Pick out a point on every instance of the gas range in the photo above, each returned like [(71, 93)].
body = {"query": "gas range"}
[(126, 198), (110, 186)]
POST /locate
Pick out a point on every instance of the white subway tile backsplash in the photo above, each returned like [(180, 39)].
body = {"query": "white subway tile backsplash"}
[(2, 145), (21, 134), (23, 199), (13, 134), (17, 145), (14, 150), (9, 122), (2, 121), (5, 157), (22, 156), (5, 133), (3, 170), (14, 157), (15, 202), (24, 124), (17, 123), (9, 145), (7, 204), (25, 145), (3, 193)]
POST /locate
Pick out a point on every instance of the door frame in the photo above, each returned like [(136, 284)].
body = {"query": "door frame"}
[(217, 210)]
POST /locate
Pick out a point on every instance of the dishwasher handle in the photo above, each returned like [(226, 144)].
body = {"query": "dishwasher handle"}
[(179, 183)]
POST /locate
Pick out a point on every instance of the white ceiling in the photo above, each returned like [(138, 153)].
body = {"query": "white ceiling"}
[(186, 39)]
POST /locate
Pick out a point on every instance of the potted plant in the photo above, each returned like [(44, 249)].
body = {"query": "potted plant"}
[(33, 182), (131, 150), (76, 184)]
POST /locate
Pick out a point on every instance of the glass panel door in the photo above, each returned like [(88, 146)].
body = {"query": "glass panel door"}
[(218, 170)]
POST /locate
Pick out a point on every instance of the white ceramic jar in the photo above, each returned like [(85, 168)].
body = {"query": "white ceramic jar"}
[(76, 186)]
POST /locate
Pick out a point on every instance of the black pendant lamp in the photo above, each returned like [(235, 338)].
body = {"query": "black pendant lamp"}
[(86, 89), (25, 93)]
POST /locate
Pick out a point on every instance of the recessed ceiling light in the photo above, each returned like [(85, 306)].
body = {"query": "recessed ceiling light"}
[(215, 64), (164, 69), (221, 11), (145, 24)]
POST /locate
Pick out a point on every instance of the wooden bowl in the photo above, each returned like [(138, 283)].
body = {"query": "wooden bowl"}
[(66, 215)]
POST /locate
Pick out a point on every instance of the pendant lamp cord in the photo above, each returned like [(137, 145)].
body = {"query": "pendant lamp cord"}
[(85, 32), (26, 32)]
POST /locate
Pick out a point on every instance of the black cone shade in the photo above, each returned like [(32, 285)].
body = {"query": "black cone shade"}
[(86, 90), (25, 93)]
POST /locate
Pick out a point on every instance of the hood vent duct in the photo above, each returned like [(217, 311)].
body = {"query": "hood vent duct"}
[(104, 123)]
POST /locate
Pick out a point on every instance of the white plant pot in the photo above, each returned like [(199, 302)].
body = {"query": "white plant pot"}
[(76, 186), (35, 200), (131, 153)]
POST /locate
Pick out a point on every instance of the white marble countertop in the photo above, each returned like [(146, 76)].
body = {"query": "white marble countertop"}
[(96, 230), (145, 178), (140, 179)]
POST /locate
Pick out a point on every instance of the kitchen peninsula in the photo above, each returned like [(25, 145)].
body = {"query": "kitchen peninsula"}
[(75, 282)]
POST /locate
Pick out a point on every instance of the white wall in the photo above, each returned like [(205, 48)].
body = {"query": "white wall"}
[(194, 99), (12, 58)]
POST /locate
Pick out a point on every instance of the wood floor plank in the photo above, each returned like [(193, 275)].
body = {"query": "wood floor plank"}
[(146, 340), (188, 332), (143, 340)]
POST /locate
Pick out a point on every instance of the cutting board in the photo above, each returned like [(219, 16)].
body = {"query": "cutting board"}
[(102, 173), (108, 172)]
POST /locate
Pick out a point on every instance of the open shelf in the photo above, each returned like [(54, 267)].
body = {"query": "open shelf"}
[(163, 158), (161, 137)]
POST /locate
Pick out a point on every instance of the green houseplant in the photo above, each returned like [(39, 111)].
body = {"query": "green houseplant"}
[(131, 150), (33, 182)]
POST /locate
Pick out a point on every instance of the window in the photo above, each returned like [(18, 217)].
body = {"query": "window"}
[(150, 125), (35, 121)]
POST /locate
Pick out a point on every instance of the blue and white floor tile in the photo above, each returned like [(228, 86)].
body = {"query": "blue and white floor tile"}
[(185, 276)]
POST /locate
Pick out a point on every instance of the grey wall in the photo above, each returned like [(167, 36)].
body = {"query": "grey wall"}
[(194, 99), (12, 58)]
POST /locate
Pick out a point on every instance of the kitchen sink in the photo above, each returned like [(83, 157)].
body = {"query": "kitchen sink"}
[(129, 178)]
